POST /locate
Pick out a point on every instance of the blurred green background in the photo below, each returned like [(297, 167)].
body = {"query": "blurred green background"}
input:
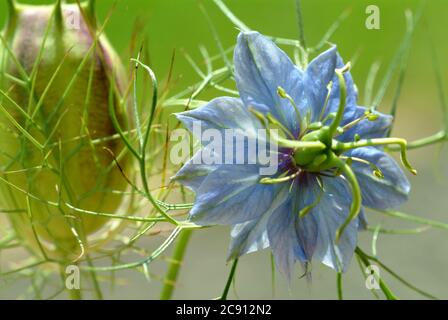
[(180, 25)]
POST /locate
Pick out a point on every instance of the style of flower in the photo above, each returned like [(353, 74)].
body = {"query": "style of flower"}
[(331, 163)]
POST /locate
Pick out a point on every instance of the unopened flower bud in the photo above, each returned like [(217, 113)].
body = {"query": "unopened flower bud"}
[(53, 127)]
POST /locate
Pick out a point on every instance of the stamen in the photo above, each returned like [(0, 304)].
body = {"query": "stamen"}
[(284, 95), (345, 68), (338, 132), (268, 118), (260, 116), (264, 122), (307, 209), (322, 112), (281, 179), (304, 125), (375, 169), (292, 185), (330, 116), (369, 115), (274, 121)]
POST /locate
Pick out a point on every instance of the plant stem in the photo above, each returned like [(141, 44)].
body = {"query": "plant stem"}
[(339, 284), (427, 141), (384, 287), (416, 219), (176, 262), (229, 280), (75, 294), (300, 23)]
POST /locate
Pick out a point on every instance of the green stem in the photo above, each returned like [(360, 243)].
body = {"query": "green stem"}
[(96, 285), (339, 284), (144, 144), (176, 262), (229, 280), (405, 216), (75, 294), (395, 275), (384, 287), (300, 23), (440, 136)]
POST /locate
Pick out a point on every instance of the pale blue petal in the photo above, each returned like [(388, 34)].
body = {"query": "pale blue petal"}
[(283, 238), (330, 214), (333, 100), (260, 68), (220, 114), (307, 227), (233, 134), (193, 173), (313, 236), (386, 193), (362, 218), (232, 194), (252, 235), (352, 92), (318, 75), (248, 237)]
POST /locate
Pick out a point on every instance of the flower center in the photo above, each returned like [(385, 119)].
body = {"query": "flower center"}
[(316, 160)]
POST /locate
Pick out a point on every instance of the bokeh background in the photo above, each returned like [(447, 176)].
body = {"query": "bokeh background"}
[(180, 25)]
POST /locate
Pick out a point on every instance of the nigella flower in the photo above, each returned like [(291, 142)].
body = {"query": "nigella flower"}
[(330, 161)]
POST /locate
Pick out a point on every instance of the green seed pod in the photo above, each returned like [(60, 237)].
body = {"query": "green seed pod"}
[(57, 140)]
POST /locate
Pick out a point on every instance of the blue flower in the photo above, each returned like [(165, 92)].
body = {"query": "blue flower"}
[(330, 161)]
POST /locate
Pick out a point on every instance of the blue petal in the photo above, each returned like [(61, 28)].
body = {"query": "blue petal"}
[(252, 235), (220, 114), (283, 238), (366, 129), (318, 75), (248, 237), (233, 134), (362, 218), (352, 93), (333, 100), (389, 192), (292, 238), (330, 214), (307, 228), (232, 194), (260, 68), (194, 172)]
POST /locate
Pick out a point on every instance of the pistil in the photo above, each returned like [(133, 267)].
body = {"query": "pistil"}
[(341, 147)]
